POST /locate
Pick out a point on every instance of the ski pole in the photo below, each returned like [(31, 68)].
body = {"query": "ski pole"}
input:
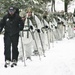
[(46, 28), (38, 30), (52, 36), (47, 36), (32, 33), (23, 50)]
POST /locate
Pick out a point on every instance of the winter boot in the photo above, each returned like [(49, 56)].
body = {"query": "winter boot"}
[(14, 63), (7, 63)]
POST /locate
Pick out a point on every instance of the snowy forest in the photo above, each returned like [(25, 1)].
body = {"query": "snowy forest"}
[(37, 5)]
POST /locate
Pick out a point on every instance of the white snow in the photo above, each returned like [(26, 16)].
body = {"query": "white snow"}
[(59, 5), (59, 60)]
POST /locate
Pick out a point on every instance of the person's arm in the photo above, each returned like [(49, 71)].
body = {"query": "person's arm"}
[(2, 24), (21, 24)]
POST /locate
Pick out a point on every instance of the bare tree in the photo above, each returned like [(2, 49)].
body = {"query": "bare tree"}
[(53, 5)]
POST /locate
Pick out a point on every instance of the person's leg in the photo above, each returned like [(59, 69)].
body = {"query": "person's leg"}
[(7, 47), (28, 50), (15, 53)]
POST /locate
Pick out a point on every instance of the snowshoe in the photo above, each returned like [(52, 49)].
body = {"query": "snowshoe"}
[(36, 52), (14, 63), (7, 63), (29, 58)]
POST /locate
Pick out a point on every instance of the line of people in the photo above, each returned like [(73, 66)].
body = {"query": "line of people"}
[(30, 33), (44, 29)]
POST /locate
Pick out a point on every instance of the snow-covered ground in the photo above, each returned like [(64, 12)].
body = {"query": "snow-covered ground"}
[(59, 60)]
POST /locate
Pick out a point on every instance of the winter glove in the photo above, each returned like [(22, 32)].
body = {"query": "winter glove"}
[(31, 27), (38, 30), (46, 26), (55, 27)]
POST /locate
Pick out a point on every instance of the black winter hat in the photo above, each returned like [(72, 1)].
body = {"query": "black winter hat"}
[(11, 9)]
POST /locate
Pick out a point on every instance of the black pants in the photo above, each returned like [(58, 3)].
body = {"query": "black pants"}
[(8, 42)]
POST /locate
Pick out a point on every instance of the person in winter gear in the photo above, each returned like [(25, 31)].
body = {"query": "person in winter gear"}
[(17, 11), (13, 24), (23, 15), (27, 35)]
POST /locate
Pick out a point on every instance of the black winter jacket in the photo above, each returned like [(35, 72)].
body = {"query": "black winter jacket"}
[(12, 24)]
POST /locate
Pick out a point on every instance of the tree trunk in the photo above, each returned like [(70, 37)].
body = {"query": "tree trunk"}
[(66, 5), (53, 6)]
